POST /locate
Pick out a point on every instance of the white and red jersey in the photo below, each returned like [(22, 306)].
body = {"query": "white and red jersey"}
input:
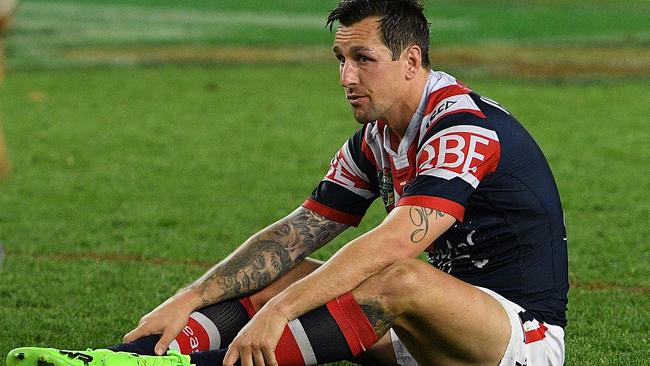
[(465, 155)]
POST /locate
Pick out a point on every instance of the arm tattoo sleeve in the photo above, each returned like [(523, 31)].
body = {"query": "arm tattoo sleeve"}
[(420, 218), (267, 255)]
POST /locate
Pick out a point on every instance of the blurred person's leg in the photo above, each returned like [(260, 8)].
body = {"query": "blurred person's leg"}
[(7, 11), (5, 166)]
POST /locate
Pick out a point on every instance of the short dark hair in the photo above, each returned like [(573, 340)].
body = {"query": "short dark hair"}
[(402, 23)]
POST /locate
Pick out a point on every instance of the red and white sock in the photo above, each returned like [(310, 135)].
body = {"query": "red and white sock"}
[(334, 332), (213, 327)]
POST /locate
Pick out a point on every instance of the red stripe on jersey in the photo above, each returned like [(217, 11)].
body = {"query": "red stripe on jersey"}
[(443, 93), (535, 334), (248, 305), (332, 213), (287, 351), (353, 322), (441, 204)]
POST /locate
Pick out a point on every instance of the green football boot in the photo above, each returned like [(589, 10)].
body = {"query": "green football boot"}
[(172, 358), (33, 356)]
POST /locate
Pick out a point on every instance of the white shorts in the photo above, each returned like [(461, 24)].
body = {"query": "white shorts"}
[(531, 343)]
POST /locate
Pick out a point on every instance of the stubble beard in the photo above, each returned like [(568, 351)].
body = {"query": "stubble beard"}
[(370, 115)]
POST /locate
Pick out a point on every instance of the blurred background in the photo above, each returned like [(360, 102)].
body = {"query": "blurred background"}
[(143, 140)]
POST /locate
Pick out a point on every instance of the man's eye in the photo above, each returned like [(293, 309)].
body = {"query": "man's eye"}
[(341, 60), (363, 59)]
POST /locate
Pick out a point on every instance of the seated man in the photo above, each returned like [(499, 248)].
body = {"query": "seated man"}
[(460, 179)]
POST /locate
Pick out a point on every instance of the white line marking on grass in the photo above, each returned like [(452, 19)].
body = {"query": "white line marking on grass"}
[(44, 32), (150, 15), (68, 24)]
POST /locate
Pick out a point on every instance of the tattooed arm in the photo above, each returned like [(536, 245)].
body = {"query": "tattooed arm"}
[(260, 260), (266, 256), (405, 233)]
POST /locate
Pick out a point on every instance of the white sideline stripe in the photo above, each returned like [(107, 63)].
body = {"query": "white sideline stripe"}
[(78, 23), (147, 15), (210, 328), (44, 30), (144, 14), (300, 336)]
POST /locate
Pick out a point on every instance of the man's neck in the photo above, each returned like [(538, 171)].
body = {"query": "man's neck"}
[(401, 117)]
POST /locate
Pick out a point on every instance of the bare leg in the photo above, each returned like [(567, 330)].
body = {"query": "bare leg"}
[(440, 319)]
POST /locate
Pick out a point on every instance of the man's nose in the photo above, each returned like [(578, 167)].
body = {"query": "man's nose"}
[(349, 75)]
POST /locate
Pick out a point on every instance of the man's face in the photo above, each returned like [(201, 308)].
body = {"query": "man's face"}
[(373, 82)]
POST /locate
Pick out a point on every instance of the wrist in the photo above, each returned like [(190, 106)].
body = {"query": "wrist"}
[(191, 298), (281, 309)]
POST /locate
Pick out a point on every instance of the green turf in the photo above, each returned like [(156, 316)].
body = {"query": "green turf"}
[(129, 181), (186, 162), (48, 30)]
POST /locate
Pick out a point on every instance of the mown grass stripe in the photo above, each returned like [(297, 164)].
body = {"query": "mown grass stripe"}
[(122, 258)]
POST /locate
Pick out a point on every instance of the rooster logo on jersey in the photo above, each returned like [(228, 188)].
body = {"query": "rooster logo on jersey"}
[(385, 179)]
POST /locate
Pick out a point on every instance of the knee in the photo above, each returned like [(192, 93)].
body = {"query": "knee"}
[(397, 281), (405, 276)]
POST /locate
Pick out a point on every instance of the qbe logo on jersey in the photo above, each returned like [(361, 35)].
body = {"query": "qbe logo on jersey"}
[(466, 152)]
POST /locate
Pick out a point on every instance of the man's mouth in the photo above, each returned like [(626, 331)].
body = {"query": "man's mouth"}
[(355, 99)]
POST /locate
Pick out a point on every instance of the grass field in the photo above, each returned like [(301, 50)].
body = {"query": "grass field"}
[(150, 138)]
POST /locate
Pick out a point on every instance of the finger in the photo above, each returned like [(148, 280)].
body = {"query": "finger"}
[(232, 355), (163, 344), (269, 356), (136, 333), (258, 357), (246, 357)]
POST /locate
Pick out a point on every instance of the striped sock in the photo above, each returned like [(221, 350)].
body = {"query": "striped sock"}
[(209, 328), (213, 327), (337, 331)]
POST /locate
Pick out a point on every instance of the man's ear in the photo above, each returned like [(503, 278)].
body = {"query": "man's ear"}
[(412, 60)]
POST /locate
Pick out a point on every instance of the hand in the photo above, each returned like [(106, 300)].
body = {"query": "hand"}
[(256, 342), (168, 319)]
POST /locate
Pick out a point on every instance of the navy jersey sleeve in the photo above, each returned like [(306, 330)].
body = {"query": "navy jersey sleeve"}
[(453, 158), (349, 187)]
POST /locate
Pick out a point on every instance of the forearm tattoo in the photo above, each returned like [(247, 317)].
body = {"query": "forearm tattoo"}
[(267, 255), (420, 218), (381, 319)]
